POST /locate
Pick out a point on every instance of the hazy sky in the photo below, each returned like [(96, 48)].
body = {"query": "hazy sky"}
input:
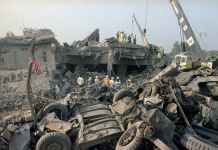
[(73, 20)]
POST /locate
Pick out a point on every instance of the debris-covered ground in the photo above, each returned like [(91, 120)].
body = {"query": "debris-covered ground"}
[(150, 110), (13, 89), (49, 86)]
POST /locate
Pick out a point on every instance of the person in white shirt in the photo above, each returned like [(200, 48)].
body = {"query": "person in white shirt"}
[(97, 81), (97, 84), (89, 81), (112, 82), (117, 83), (80, 81)]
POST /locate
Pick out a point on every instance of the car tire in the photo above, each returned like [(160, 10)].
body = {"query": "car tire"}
[(184, 78), (54, 140), (60, 110), (150, 90), (132, 138), (123, 93)]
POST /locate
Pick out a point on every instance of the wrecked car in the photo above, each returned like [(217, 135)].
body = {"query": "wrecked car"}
[(80, 127), (165, 118)]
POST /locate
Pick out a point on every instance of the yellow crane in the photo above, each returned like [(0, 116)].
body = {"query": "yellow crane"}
[(144, 39)]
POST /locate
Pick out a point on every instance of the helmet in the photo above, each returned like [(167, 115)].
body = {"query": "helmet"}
[(112, 78), (118, 78), (96, 77), (107, 76), (68, 95)]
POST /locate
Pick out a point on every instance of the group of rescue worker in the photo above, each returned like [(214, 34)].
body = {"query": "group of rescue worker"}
[(122, 38), (106, 82)]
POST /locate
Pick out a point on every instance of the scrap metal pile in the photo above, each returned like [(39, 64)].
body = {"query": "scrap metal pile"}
[(169, 111)]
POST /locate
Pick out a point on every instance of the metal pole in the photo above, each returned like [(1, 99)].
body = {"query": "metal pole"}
[(28, 89), (182, 112)]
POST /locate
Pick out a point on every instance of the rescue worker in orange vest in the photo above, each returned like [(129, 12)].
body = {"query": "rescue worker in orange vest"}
[(106, 81)]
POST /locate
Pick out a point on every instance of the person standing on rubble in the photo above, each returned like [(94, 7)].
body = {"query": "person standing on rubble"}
[(117, 83), (125, 38), (89, 81), (80, 81), (105, 85), (97, 81), (97, 85), (130, 82), (106, 81), (112, 82), (118, 35), (111, 87), (129, 39), (121, 37), (134, 39)]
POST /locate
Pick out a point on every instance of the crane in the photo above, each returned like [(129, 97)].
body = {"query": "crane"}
[(188, 33), (192, 42), (144, 39)]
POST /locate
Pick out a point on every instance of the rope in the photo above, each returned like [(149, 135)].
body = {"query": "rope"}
[(146, 13), (132, 25), (181, 40)]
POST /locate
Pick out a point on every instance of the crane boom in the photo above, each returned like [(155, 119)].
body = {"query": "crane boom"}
[(186, 29), (144, 39)]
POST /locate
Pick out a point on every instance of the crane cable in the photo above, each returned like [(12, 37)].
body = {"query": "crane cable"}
[(132, 26), (182, 48), (146, 13)]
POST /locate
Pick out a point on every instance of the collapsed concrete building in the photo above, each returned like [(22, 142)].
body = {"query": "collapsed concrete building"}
[(15, 50), (110, 56)]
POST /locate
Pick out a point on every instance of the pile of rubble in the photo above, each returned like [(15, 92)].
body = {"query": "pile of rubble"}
[(162, 116), (10, 100), (13, 89), (11, 76), (54, 85), (166, 109)]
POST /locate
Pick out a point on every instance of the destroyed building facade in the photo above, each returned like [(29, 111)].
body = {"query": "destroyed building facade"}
[(15, 50), (110, 55)]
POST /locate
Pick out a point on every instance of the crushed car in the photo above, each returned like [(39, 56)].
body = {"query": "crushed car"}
[(163, 117)]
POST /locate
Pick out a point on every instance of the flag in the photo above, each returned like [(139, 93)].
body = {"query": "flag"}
[(37, 68)]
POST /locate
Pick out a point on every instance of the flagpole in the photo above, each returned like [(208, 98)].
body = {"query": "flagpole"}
[(28, 86)]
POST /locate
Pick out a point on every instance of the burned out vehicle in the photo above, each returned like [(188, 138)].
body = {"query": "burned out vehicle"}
[(62, 128), (167, 119), (202, 81), (91, 125)]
